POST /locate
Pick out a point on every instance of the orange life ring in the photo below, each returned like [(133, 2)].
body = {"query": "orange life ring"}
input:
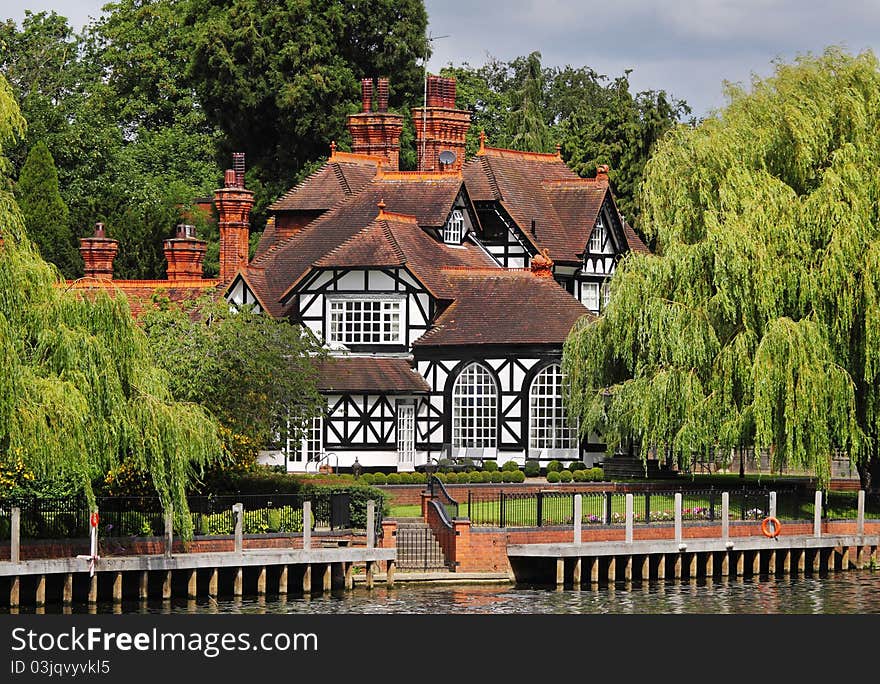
[(93, 519), (765, 527)]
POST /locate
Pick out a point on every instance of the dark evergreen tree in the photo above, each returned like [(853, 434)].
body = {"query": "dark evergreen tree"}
[(45, 214)]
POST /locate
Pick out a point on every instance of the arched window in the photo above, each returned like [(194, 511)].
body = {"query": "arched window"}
[(548, 419), (453, 231), (474, 408)]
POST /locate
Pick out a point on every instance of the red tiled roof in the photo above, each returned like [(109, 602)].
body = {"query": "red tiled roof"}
[(428, 198), (372, 375), (525, 310), (635, 242), (329, 185), (539, 187), (141, 293)]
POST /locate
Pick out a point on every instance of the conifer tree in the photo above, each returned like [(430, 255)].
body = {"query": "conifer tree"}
[(757, 321), (45, 214), (78, 391)]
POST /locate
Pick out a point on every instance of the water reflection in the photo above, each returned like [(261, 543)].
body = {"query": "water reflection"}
[(854, 591)]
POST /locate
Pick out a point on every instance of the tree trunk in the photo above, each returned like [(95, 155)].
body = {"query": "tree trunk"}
[(869, 472)]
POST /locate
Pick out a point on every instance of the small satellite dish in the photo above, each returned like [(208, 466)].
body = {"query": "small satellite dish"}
[(447, 157)]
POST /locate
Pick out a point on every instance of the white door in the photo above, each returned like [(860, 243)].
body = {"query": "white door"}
[(406, 436)]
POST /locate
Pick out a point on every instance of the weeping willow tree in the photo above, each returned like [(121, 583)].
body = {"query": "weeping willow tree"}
[(757, 321), (78, 390)]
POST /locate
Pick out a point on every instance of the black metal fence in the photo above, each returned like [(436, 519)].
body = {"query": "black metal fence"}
[(418, 549), (546, 508), (211, 515)]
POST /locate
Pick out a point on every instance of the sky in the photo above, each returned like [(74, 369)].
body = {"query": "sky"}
[(686, 47)]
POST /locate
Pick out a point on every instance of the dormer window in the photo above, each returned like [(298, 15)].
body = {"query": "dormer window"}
[(453, 231), (597, 239)]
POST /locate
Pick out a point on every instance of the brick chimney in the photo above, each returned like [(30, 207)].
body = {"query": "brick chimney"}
[(376, 132), (542, 265), (185, 254), (234, 204), (98, 253), (440, 126), (602, 172)]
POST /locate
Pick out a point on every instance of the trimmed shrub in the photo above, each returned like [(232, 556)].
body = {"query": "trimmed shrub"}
[(441, 476), (507, 475), (510, 466), (379, 478), (532, 468), (579, 475), (518, 476), (451, 477), (577, 465), (490, 466), (393, 478), (367, 478), (496, 476), (486, 476), (565, 475), (552, 476), (595, 475), (554, 466)]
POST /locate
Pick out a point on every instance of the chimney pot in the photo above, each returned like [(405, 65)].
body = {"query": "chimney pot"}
[(602, 172), (542, 265), (98, 253), (99, 230), (383, 95), (367, 94), (229, 178)]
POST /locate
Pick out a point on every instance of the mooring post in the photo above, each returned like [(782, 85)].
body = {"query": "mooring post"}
[(238, 583), (307, 579), (169, 530), (817, 515), (349, 577), (661, 567), (40, 598), (725, 516), (307, 524), (369, 575), (612, 569), (282, 581), (578, 509), (860, 515), (166, 586), (628, 567), (261, 581), (15, 540), (594, 570), (371, 524), (144, 585), (576, 573), (14, 591), (389, 573), (213, 582), (678, 517), (772, 504), (238, 514), (710, 565), (117, 588), (93, 589), (560, 572), (646, 567), (629, 518)]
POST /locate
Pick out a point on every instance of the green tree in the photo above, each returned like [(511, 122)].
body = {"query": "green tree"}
[(758, 321), (80, 393), (527, 128), (45, 213), (250, 370), (279, 79)]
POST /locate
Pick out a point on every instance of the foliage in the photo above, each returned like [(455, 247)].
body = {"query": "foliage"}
[(490, 466), (757, 321), (577, 465), (510, 465), (45, 213), (579, 475), (79, 392), (496, 476), (565, 475), (595, 119), (252, 371), (553, 476), (518, 476), (554, 465), (532, 468)]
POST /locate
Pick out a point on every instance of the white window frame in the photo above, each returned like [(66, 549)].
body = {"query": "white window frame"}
[(591, 301), (406, 432), (597, 237), (549, 428), (310, 445), (475, 400), (453, 231), (606, 294), (365, 320)]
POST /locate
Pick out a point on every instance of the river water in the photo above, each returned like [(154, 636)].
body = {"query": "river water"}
[(842, 592)]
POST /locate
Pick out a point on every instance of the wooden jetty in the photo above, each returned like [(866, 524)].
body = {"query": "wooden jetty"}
[(236, 573), (645, 560)]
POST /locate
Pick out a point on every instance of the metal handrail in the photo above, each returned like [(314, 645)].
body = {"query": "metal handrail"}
[(449, 504)]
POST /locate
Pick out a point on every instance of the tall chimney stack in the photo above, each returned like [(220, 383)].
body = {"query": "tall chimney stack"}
[(234, 204), (376, 133), (185, 254), (98, 253), (440, 126)]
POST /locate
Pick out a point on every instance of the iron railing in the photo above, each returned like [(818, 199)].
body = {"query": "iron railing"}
[(440, 494)]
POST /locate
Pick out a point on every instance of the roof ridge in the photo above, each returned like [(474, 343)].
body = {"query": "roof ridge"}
[(395, 245), (507, 152), (560, 182), (493, 181), (343, 181)]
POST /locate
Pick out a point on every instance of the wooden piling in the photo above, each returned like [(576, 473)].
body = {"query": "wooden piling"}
[(349, 576), (192, 585), (307, 579), (15, 592), (261, 582), (710, 564), (612, 569), (756, 563), (67, 589), (144, 585), (725, 563), (646, 567), (692, 570), (93, 589), (661, 567), (817, 557), (576, 573), (628, 568), (594, 570), (801, 561), (560, 572), (740, 564), (844, 558), (771, 563), (282, 581), (786, 562), (389, 573), (117, 588), (369, 575), (213, 583), (40, 598), (166, 586), (676, 566)]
